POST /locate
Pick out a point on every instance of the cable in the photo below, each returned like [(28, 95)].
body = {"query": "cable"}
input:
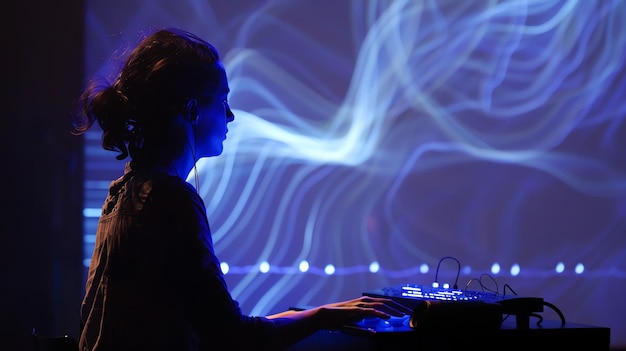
[(468, 284), (193, 154), (537, 315), (555, 309), (483, 285), (192, 116), (510, 288), (456, 281)]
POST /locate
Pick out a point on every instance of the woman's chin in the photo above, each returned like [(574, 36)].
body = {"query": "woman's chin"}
[(216, 151)]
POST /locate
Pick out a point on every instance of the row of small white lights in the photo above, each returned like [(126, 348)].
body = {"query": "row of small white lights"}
[(374, 267)]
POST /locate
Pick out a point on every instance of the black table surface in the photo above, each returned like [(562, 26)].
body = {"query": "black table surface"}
[(547, 335)]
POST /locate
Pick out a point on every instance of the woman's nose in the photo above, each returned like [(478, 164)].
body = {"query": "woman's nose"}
[(230, 116)]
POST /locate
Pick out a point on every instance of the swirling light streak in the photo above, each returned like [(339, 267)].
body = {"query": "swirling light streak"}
[(359, 98)]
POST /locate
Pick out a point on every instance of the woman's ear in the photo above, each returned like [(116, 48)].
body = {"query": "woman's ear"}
[(191, 110)]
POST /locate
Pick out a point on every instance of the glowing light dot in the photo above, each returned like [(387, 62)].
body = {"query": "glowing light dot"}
[(424, 268), (515, 269), (446, 286), (264, 267), (329, 269), (495, 268), (580, 268), (374, 267), (224, 267), (467, 270), (435, 285), (560, 267), (304, 266)]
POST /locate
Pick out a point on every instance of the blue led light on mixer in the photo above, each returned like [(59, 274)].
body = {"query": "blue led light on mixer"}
[(419, 292)]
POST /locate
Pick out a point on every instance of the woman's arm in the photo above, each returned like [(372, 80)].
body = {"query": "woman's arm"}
[(292, 326)]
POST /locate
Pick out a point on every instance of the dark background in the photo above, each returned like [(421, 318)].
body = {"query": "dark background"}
[(41, 222)]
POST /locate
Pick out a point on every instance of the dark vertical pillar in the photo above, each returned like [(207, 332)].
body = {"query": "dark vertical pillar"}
[(41, 166)]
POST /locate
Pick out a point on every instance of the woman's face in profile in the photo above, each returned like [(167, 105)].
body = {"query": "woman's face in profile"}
[(212, 121)]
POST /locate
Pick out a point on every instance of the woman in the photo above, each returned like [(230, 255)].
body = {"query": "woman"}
[(154, 281)]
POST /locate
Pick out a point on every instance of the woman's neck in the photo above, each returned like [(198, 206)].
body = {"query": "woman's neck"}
[(181, 166)]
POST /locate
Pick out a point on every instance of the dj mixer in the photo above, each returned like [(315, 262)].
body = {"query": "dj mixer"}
[(437, 306)]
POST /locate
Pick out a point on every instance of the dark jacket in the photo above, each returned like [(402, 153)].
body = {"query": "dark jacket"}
[(154, 281)]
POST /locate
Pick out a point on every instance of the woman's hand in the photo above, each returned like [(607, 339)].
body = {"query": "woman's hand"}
[(338, 313), (292, 326)]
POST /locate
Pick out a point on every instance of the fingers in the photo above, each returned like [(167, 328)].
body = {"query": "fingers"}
[(387, 306)]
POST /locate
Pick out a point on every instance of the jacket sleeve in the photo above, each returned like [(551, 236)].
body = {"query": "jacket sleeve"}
[(195, 270)]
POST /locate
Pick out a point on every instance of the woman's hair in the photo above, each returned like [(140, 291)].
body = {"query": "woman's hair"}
[(164, 71)]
